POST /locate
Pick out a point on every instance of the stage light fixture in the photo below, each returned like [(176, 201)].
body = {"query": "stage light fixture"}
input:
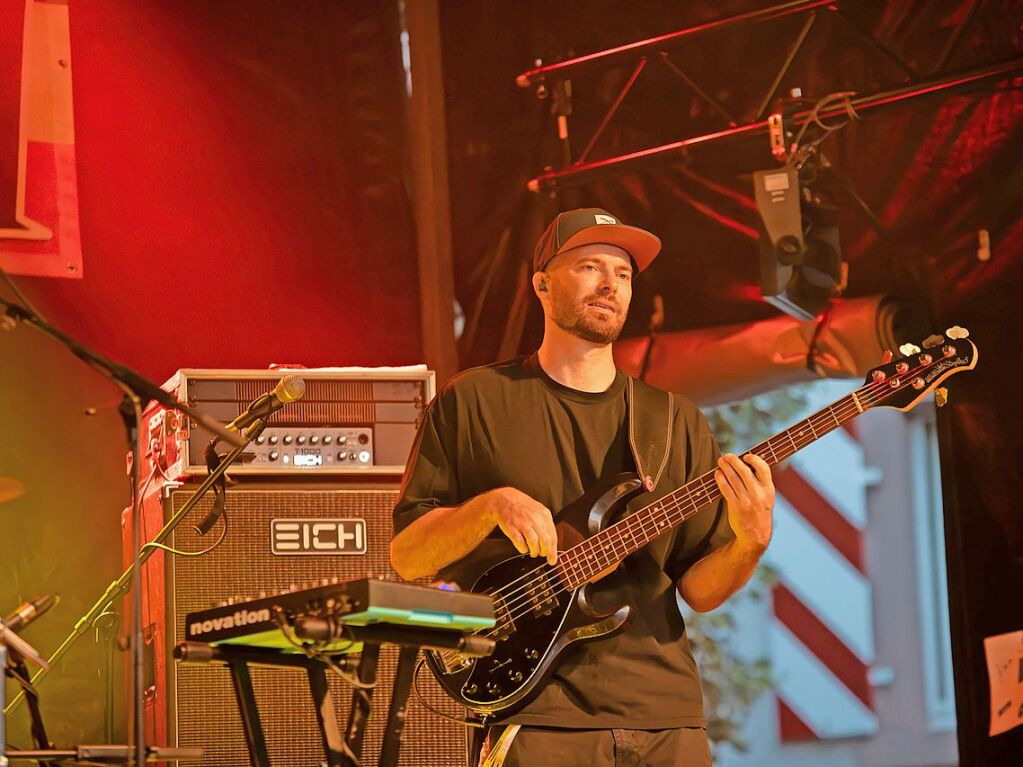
[(801, 265)]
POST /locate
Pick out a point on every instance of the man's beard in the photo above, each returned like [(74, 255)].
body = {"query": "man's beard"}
[(580, 320)]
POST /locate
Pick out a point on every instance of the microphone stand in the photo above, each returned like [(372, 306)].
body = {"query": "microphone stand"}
[(121, 585), (131, 412), (140, 386), (17, 670), (123, 582), (139, 391)]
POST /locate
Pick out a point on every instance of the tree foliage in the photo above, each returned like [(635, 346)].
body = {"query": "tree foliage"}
[(732, 684)]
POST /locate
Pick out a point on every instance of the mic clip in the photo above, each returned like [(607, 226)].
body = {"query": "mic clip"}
[(213, 461)]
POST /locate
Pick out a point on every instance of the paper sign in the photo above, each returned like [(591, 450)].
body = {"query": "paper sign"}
[(1005, 673)]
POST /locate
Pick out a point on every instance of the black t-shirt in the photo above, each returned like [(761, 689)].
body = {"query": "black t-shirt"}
[(510, 424)]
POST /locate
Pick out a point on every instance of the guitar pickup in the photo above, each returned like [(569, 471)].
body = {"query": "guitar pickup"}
[(541, 595), (505, 623)]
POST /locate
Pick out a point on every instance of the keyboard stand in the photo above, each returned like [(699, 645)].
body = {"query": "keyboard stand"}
[(362, 704), (339, 753), (399, 705), (237, 659)]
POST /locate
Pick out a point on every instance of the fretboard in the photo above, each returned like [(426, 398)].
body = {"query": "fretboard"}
[(603, 551)]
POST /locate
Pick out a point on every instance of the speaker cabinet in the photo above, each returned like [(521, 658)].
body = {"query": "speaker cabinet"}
[(195, 705)]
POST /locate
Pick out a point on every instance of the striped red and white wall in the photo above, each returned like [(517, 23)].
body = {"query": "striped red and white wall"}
[(821, 626)]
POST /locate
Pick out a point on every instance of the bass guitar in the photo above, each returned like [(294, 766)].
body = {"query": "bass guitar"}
[(542, 610)]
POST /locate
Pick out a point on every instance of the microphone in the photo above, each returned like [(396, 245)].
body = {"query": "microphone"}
[(18, 620), (288, 389), (29, 611)]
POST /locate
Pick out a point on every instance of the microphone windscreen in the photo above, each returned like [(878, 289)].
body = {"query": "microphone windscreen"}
[(290, 388)]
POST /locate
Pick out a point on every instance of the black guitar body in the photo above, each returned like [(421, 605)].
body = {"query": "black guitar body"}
[(538, 615)]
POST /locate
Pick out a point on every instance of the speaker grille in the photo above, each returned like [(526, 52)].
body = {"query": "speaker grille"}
[(202, 708)]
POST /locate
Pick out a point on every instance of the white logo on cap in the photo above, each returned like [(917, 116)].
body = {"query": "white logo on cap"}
[(600, 218)]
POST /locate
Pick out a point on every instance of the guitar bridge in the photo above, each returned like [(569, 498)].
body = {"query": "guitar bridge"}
[(452, 661)]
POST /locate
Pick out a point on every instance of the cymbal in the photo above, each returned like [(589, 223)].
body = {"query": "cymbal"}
[(10, 489)]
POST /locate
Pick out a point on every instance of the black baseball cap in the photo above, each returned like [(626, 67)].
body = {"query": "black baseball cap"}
[(585, 226)]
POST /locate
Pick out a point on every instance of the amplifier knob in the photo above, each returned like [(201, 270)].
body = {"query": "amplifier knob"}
[(328, 439), (532, 654), (288, 439), (363, 439), (342, 454), (260, 439), (515, 676), (342, 439), (471, 688), (301, 439), (274, 455), (493, 688), (314, 440), (273, 439)]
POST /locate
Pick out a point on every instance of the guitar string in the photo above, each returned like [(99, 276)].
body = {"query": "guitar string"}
[(705, 492), (573, 557), (510, 610), (606, 554), (849, 405), (514, 607), (877, 391), (695, 498)]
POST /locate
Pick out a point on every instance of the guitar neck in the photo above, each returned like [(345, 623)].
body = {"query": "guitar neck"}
[(606, 549)]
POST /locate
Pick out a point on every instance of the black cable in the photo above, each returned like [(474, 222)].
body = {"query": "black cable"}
[(312, 651), (431, 709), (171, 549), (21, 296), (818, 329)]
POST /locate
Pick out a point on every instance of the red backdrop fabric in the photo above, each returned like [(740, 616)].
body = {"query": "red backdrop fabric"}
[(240, 178)]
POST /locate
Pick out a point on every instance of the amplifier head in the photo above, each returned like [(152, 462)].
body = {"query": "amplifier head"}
[(349, 422)]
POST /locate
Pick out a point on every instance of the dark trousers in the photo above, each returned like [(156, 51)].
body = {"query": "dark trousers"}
[(541, 746)]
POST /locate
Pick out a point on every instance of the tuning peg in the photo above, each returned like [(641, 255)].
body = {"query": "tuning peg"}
[(887, 356), (908, 349), (941, 396), (932, 341), (956, 332)]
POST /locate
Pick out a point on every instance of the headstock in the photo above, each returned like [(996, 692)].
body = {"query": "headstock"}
[(903, 382)]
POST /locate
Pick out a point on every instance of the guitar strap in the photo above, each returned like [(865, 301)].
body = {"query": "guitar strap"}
[(650, 425)]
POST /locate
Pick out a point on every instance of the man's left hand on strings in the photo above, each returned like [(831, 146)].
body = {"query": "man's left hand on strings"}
[(748, 488)]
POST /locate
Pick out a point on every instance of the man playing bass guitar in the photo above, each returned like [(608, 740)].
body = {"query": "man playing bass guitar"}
[(503, 449)]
